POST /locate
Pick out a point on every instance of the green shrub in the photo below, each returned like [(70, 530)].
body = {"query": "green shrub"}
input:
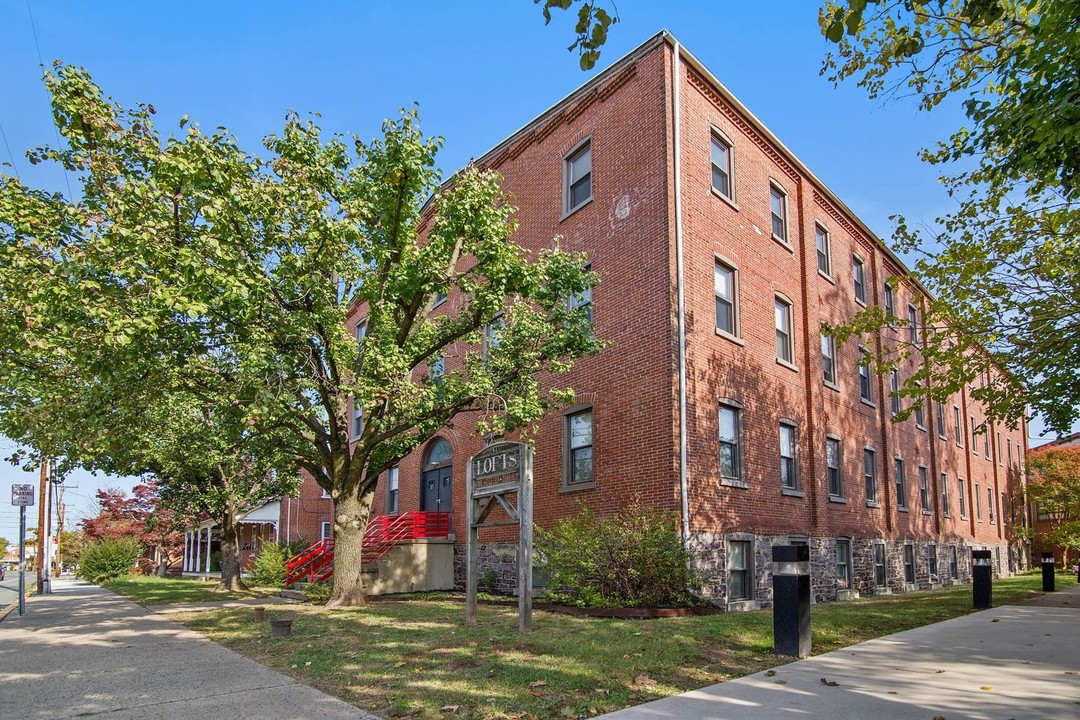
[(632, 559), (269, 567), (319, 592), (109, 559)]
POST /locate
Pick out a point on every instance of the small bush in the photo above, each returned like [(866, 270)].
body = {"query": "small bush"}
[(632, 559), (319, 592), (269, 567), (109, 559)]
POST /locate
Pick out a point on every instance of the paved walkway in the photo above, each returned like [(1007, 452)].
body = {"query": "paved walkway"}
[(85, 652), (1015, 661)]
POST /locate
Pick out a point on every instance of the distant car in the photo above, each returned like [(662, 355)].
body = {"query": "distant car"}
[(3, 569)]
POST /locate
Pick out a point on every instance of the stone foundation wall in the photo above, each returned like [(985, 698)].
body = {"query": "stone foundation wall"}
[(711, 563)]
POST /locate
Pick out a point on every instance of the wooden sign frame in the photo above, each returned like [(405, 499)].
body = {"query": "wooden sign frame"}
[(492, 476)]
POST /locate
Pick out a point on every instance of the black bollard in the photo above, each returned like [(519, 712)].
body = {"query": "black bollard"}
[(980, 579), (1048, 571), (791, 600)]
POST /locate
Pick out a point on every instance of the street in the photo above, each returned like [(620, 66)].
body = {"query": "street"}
[(9, 586)]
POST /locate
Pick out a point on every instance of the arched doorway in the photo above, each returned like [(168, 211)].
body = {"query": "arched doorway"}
[(436, 479)]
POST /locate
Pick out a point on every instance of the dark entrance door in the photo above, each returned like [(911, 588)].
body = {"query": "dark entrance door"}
[(436, 489)]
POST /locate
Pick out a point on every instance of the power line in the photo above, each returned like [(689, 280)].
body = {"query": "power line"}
[(10, 156), (41, 64)]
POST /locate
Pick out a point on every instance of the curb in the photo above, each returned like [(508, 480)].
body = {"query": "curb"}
[(14, 604)]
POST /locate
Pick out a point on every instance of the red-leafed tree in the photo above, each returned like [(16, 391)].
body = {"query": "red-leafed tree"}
[(142, 516), (1054, 486)]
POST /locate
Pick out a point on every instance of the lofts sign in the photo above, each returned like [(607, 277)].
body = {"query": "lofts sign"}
[(499, 492)]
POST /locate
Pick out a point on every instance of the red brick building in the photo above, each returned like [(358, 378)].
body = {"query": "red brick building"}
[(720, 256)]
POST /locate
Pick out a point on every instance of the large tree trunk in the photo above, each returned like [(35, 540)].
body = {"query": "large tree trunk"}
[(230, 552), (351, 517)]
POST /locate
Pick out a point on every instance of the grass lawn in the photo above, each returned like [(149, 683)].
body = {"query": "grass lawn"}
[(153, 590), (415, 657)]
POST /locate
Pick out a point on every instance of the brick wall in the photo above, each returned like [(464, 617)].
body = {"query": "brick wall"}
[(628, 231)]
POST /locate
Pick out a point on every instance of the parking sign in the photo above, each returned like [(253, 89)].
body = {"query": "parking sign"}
[(22, 494)]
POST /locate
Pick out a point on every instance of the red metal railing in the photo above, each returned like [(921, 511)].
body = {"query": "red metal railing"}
[(316, 563), (383, 532)]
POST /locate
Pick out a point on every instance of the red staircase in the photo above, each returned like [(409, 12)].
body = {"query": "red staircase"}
[(314, 564), (383, 532)]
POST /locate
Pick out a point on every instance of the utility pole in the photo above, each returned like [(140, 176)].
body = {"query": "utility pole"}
[(41, 537), (59, 525)]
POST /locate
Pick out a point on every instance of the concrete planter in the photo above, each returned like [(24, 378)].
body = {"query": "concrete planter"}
[(280, 627)]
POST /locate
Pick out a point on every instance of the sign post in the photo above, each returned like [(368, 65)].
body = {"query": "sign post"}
[(21, 496), (492, 476)]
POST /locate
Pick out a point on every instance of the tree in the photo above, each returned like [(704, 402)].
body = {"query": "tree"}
[(1054, 486), (4, 545), (591, 29), (1002, 268), (236, 279), (141, 517), (72, 543)]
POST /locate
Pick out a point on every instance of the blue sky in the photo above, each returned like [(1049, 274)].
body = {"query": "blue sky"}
[(478, 69)]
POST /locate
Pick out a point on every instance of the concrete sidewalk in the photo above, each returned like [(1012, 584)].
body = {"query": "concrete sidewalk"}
[(83, 651), (1014, 661)]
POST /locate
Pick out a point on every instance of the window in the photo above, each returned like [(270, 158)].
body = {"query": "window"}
[(721, 166), (890, 304), (327, 531), (990, 508), (939, 415), (832, 461), (824, 251), (894, 391), (961, 497), (858, 271), (725, 285), (999, 453), (931, 561), (843, 564), (789, 468), (437, 371), (913, 324), (920, 416), (492, 332), (901, 493), (579, 447), (730, 421), (909, 563), (361, 330), (986, 441), (583, 300), (958, 428), (1008, 444), (325, 494), (954, 566), (440, 298), (828, 358), (945, 509), (866, 388), (358, 418), (392, 490), (978, 503), (880, 576), (974, 436), (578, 177), (924, 490), (739, 554), (870, 476), (778, 206), (785, 346)]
